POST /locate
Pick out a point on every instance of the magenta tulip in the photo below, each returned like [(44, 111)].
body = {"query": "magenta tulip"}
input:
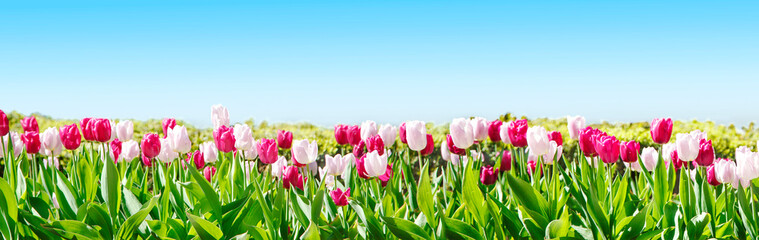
[(711, 177), (629, 151), (116, 149), (705, 153), (150, 145), (146, 161), (166, 124), (384, 178), (487, 176), (518, 132), (676, 161), (661, 130), (224, 138), (209, 172), (607, 148), (587, 141), (556, 137), (70, 136), (354, 134), (5, 126), (506, 161), (101, 129), (32, 142), (494, 130), (267, 150), (361, 167), (374, 143), (29, 124), (452, 147), (339, 197), (341, 134), (430, 146), (358, 149), (291, 177), (86, 132), (196, 158), (402, 133)]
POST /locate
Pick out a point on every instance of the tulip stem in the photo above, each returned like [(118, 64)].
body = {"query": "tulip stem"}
[(420, 163)]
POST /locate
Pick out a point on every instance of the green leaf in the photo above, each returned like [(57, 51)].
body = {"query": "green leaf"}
[(405, 229), (558, 228), (316, 205), (211, 197), (529, 198), (98, 216), (74, 229), (111, 188), (697, 224), (8, 201), (424, 197), (456, 229), (472, 197), (205, 229), (128, 229)]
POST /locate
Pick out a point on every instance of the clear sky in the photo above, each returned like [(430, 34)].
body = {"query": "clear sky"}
[(333, 62)]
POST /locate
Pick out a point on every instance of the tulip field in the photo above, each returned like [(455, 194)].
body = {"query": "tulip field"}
[(506, 178)]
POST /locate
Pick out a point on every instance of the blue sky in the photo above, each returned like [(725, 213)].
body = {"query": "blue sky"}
[(333, 62)]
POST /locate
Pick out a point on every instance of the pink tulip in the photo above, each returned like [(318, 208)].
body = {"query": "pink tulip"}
[(384, 178), (341, 134), (494, 130), (101, 129), (146, 161), (166, 124), (575, 125), (402, 132), (676, 161), (661, 130), (629, 151), (209, 172), (430, 146), (150, 145), (196, 158), (374, 143), (284, 139), (354, 135), (291, 177), (705, 153), (339, 197), (116, 149), (224, 138), (518, 132), (358, 149), (506, 161), (361, 167), (267, 150), (487, 176), (587, 141), (452, 147), (711, 177), (608, 149), (29, 124), (32, 141), (4, 124), (556, 137), (86, 131)]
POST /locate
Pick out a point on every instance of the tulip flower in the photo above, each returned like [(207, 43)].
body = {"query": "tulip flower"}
[(15, 139), (339, 197), (494, 130), (86, 132), (532, 165), (711, 177), (575, 125), (462, 133), (661, 130), (368, 129), (552, 154), (354, 135), (430, 146), (224, 138), (416, 135), (446, 154), (166, 154), (629, 151), (479, 128), (209, 172), (336, 165), (151, 145), (243, 137), (267, 150), (537, 140), (402, 133), (179, 140), (32, 142), (747, 166), (252, 152), (375, 164), (687, 146), (113, 131), (291, 177), (100, 129), (196, 158), (129, 150), (125, 130), (387, 133), (698, 134), (587, 141), (278, 166), (517, 130), (116, 146), (209, 151), (358, 149), (505, 161), (166, 124), (705, 153), (146, 161), (219, 116), (51, 142), (487, 176), (556, 137), (284, 139), (375, 143), (5, 126), (452, 147), (607, 148), (676, 160), (29, 124), (341, 134), (724, 170), (649, 156), (384, 178), (304, 152), (503, 133)]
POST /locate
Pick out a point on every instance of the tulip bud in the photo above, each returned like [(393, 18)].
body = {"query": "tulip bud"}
[(649, 157), (100, 129), (196, 158), (129, 150), (430, 146), (354, 135), (341, 134), (505, 161), (219, 116), (607, 148), (537, 140), (166, 155), (494, 130), (479, 128), (116, 145), (452, 147), (5, 126), (375, 143), (402, 133), (166, 124), (51, 142), (487, 176), (705, 153), (29, 124), (556, 137), (368, 129), (284, 139), (384, 178), (304, 152), (387, 133), (224, 138), (267, 150), (416, 135), (575, 125), (375, 164), (661, 130), (517, 130), (209, 172), (125, 130), (151, 145), (339, 197), (146, 161), (629, 151), (32, 142), (86, 131), (462, 133), (532, 165), (676, 160)]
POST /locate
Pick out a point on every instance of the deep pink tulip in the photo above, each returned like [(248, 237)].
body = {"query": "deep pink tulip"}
[(430, 146), (374, 143), (361, 168), (341, 134), (354, 135), (506, 161), (166, 124), (5, 126), (705, 153), (339, 197), (661, 130), (359, 149), (711, 177), (402, 133), (70, 136), (384, 178), (267, 150), (608, 149), (224, 138), (494, 130), (101, 129), (676, 160), (629, 151), (531, 164), (487, 176), (209, 172), (116, 149), (146, 161), (518, 132), (150, 145), (30, 124), (452, 147), (556, 137), (86, 131), (587, 141), (284, 139), (196, 158), (291, 177), (32, 142)]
